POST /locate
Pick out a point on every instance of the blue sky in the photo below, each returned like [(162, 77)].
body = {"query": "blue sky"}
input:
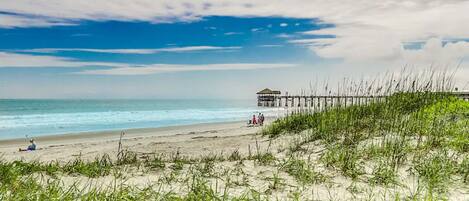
[(234, 40), (151, 49), (245, 40)]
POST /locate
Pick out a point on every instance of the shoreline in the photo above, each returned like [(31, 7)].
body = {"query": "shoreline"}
[(189, 139), (20, 136), (114, 134)]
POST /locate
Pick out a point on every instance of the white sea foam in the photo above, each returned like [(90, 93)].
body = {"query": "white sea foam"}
[(55, 123)]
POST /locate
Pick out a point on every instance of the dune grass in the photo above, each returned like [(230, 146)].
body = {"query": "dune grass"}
[(416, 125), (302, 171)]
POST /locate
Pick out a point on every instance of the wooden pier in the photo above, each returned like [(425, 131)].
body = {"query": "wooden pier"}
[(267, 97), (271, 98)]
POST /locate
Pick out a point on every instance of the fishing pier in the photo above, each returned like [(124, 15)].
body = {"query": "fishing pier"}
[(274, 98)]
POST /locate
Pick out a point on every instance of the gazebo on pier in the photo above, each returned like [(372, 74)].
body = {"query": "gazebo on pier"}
[(267, 97)]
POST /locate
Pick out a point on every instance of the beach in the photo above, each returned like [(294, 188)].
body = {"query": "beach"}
[(198, 139), (230, 156), (190, 142)]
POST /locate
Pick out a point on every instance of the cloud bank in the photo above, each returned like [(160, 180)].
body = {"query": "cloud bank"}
[(131, 51), (13, 60), (363, 31), (162, 68)]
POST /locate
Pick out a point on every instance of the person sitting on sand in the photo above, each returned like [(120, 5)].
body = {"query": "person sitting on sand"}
[(31, 147)]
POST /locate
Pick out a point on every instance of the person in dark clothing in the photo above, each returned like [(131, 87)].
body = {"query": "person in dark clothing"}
[(261, 119), (31, 147)]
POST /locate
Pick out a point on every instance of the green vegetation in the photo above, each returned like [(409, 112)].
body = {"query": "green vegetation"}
[(277, 182), (436, 170), (428, 131), (383, 174), (101, 166), (344, 159), (155, 162), (302, 171)]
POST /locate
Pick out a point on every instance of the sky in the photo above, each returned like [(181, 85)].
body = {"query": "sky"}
[(220, 49)]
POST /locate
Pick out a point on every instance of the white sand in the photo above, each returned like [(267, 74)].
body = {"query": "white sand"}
[(189, 140)]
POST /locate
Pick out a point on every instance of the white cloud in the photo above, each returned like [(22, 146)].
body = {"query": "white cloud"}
[(26, 60), (284, 35), (132, 51), (13, 60), (447, 53), (233, 33), (364, 29), (196, 48), (256, 29), (270, 45), (311, 41), (283, 24), (16, 21), (164, 68), (434, 50)]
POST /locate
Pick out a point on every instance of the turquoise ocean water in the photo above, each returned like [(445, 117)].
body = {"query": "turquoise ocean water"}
[(19, 118)]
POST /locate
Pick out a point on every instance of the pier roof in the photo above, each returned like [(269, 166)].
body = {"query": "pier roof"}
[(268, 91)]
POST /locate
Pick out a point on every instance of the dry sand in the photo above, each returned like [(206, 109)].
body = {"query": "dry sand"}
[(188, 140)]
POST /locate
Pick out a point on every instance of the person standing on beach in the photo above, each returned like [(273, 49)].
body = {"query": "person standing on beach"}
[(254, 122), (261, 119)]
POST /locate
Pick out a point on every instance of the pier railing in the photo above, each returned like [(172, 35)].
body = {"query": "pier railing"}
[(321, 102), (318, 103)]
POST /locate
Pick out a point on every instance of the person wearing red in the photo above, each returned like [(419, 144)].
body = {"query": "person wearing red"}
[(254, 119)]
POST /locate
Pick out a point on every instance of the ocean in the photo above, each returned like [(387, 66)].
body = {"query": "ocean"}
[(19, 118)]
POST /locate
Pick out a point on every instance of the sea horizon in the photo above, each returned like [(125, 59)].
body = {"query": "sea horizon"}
[(45, 117)]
